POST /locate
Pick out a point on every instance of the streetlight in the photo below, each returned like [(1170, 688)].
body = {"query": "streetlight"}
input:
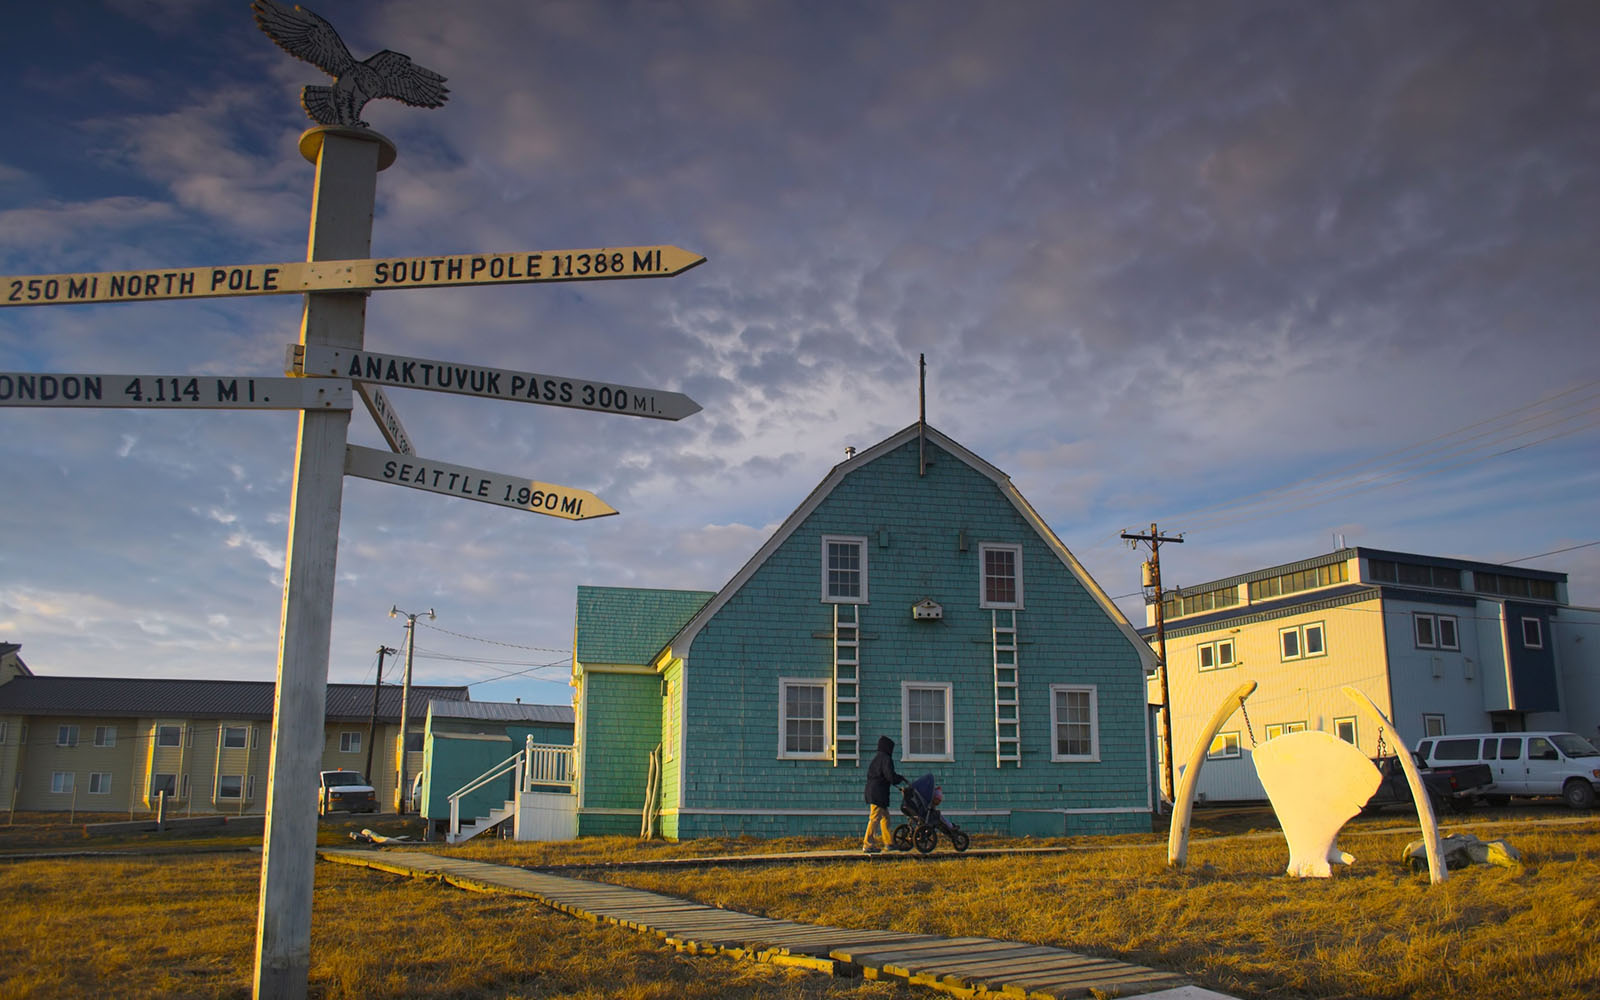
[(405, 700)]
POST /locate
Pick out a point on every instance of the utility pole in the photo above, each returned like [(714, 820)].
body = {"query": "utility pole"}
[(405, 701), (1153, 579), (372, 727)]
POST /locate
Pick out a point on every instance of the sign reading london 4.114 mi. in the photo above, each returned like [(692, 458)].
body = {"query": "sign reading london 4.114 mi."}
[(294, 277)]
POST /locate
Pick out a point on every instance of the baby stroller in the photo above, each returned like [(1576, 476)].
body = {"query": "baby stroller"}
[(919, 800)]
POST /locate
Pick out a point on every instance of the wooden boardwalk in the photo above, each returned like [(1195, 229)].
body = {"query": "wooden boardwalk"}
[(962, 966)]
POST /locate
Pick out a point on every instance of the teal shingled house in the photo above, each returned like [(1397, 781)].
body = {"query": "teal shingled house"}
[(914, 594)]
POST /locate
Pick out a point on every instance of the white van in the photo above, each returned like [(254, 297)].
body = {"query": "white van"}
[(1563, 764)]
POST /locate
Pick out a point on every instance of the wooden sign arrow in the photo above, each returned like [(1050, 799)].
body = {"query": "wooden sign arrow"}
[(172, 392), (491, 383), (295, 277), (388, 421), (474, 484)]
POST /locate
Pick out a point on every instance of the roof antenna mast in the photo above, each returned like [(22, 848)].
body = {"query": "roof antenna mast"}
[(922, 414)]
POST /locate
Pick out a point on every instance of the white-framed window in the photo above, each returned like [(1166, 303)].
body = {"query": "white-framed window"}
[(2, 733), (234, 737), (169, 736), (1532, 633), (925, 721), (66, 736), (1074, 722), (1300, 641), (1217, 655), (105, 736), (844, 569), (62, 782), (1224, 746), (1344, 727), (1000, 576), (1432, 725), (350, 741), (1448, 638), (250, 787), (229, 786), (183, 787), (99, 782), (802, 718), (1275, 729), (164, 783), (1435, 631)]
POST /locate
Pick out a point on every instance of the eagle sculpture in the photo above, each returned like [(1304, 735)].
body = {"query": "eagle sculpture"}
[(307, 36)]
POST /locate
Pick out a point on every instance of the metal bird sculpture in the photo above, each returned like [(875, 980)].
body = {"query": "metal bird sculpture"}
[(307, 36)]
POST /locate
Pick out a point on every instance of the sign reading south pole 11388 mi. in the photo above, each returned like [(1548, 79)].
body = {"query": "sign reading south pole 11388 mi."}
[(296, 277)]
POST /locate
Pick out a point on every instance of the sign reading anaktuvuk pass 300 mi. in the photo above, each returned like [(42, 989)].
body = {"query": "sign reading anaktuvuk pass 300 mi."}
[(296, 277)]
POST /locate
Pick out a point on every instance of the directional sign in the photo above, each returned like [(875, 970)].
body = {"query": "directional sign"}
[(494, 383), (173, 392), (219, 281), (387, 420), (474, 484)]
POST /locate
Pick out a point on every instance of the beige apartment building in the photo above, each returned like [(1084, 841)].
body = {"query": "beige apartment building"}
[(102, 744)]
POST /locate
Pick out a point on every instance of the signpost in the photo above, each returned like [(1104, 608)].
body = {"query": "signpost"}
[(474, 484), (173, 392), (334, 279), (296, 277), (493, 383)]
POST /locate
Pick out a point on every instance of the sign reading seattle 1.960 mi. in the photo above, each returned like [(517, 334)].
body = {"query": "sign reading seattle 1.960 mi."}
[(295, 277), (173, 392), (473, 484), (493, 383)]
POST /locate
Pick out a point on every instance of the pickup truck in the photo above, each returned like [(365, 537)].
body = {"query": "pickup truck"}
[(1458, 786)]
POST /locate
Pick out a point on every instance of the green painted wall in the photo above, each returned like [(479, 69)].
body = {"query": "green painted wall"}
[(622, 724), (771, 628)]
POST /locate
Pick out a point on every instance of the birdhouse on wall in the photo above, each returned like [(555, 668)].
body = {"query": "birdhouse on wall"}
[(927, 609)]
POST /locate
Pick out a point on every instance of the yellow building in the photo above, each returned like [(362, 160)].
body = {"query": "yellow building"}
[(1441, 645), (101, 744)]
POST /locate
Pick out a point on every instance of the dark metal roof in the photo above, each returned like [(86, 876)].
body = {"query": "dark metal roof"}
[(504, 711), (131, 697)]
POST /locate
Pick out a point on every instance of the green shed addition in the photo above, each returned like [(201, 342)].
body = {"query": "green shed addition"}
[(915, 594)]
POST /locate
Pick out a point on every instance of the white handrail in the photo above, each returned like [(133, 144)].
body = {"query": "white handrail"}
[(535, 764)]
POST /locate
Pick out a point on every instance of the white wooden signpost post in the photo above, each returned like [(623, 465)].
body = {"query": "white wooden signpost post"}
[(335, 279)]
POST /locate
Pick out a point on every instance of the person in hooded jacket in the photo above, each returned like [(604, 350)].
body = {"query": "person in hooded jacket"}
[(880, 775)]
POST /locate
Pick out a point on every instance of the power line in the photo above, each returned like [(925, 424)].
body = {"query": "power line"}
[(494, 642), (1552, 552)]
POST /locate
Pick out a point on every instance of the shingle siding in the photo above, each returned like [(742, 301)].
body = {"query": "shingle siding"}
[(776, 626)]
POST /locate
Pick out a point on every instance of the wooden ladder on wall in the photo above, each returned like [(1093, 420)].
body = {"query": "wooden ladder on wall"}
[(846, 683), (1007, 703)]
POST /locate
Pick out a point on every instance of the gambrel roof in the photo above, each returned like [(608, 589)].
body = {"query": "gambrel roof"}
[(679, 644)]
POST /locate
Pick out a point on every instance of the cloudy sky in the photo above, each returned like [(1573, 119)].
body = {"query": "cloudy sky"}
[(1267, 274)]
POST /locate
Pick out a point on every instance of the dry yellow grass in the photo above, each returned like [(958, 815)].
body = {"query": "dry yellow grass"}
[(184, 928)]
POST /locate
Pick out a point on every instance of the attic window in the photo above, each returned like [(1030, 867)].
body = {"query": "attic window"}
[(844, 569), (1002, 576)]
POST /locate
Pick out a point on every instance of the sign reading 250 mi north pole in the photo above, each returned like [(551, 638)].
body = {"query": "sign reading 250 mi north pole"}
[(296, 277)]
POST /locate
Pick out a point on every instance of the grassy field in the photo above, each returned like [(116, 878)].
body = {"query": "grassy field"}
[(183, 925)]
